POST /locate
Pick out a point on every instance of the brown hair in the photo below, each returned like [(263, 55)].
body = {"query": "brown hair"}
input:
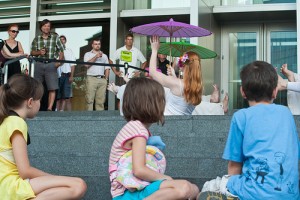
[(128, 35), (192, 78), (62, 36), (19, 88), (45, 21), (144, 100), (96, 40), (259, 80), (12, 25)]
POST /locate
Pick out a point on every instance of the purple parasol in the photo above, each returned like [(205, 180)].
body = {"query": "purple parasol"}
[(171, 29)]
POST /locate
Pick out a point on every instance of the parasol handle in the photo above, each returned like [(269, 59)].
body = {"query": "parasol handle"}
[(171, 34)]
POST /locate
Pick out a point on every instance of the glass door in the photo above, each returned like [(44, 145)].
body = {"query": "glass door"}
[(240, 46), (276, 44), (282, 48)]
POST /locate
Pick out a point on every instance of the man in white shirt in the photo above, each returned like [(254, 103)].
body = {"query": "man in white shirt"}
[(128, 53), (97, 77), (65, 73)]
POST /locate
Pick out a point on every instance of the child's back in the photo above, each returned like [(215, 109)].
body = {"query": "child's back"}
[(262, 148), (267, 135)]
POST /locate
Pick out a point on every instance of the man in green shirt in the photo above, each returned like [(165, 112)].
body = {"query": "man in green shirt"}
[(47, 45)]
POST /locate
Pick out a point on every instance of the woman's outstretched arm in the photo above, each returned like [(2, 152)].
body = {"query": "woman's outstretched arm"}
[(166, 81)]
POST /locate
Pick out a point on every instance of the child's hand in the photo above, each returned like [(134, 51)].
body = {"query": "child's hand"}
[(155, 43)]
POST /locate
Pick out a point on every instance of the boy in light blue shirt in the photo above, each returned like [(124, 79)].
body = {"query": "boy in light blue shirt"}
[(262, 146)]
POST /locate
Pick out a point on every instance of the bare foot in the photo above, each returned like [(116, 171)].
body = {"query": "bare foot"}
[(225, 103), (215, 95), (113, 88), (289, 74), (282, 84)]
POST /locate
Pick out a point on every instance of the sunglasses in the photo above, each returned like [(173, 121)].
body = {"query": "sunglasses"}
[(14, 31)]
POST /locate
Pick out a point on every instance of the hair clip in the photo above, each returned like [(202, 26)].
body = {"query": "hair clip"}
[(183, 59)]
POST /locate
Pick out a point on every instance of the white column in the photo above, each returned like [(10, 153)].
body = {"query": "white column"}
[(113, 47), (33, 20), (194, 18)]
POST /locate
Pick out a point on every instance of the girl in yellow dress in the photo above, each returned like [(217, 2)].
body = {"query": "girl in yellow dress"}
[(20, 99)]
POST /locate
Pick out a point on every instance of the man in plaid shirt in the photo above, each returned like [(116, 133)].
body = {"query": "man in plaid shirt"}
[(47, 45)]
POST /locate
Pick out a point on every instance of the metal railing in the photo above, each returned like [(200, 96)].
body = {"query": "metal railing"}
[(33, 60), (5, 68)]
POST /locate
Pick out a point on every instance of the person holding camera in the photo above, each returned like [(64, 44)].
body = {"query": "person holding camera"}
[(47, 45)]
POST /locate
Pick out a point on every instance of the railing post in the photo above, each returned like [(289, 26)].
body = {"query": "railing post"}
[(126, 68), (31, 67), (5, 73)]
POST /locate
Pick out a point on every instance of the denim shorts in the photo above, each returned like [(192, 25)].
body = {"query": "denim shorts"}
[(64, 88), (140, 194)]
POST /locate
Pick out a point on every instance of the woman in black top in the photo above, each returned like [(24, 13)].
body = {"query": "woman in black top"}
[(15, 47)]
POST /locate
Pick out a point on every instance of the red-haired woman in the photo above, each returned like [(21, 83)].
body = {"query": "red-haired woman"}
[(183, 94)]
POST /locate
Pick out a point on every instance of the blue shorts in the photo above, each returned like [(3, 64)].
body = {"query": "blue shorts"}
[(140, 194), (64, 88)]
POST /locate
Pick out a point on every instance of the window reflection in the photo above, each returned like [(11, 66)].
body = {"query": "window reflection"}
[(242, 48), (283, 50)]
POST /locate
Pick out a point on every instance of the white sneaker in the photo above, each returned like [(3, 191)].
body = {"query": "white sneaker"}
[(223, 186), (212, 185)]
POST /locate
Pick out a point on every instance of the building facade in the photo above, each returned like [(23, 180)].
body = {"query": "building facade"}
[(243, 31)]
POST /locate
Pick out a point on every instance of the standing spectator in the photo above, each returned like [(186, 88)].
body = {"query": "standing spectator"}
[(129, 54), (163, 63), (97, 77), (5, 53), (65, 74), (47, 45), (13, 46)]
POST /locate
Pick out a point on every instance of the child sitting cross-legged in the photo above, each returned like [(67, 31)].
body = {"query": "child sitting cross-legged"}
[(143, 105)]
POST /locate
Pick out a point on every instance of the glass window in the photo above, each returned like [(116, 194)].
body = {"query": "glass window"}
[(242, 47), (170, 3), (249, 2), (283, 50)]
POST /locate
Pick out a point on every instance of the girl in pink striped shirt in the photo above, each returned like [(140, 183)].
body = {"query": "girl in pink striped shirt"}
[(143, 105)]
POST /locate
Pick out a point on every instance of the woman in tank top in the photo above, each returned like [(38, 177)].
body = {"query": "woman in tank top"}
[(182, 95), (15, 47)]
